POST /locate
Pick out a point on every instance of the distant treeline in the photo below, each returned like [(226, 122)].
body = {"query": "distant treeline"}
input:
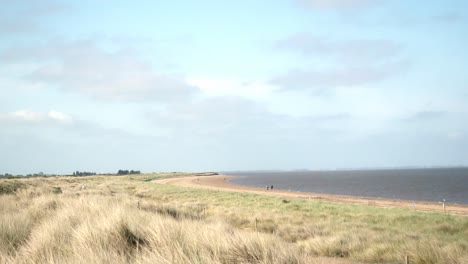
[(75, 173), (126, 172), (83, 173), (11, 176), (120, 172), (7, 175)]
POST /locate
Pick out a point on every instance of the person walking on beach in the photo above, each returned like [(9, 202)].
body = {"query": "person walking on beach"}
[(268, 187), (271, 187)]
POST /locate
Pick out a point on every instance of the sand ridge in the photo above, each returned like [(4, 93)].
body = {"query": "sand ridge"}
[(221, 183)]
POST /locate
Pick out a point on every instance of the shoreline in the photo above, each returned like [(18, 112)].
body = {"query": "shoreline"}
[(222, 183), (354, 196)]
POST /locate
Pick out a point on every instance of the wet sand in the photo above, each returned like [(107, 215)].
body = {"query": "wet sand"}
[(221, 183)]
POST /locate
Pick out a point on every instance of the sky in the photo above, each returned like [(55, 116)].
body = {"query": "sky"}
[(232, 85)]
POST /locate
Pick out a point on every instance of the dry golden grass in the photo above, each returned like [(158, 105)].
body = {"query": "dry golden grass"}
[(132, 220)]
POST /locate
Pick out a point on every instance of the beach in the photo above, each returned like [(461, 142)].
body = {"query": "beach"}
[(221, 183)]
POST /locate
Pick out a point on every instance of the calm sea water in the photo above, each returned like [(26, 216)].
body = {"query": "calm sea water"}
[(406, 184)]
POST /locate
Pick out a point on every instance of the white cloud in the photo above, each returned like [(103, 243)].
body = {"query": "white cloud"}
[(319, 82), (228, 118), (60, 117), (352, 63), (221, 115), (233, 87), (24, 17), (85, 68), (349, 51), (27, 117), (337, 4)]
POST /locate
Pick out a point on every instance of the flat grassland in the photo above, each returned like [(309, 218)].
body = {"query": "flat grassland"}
[(132, 219)]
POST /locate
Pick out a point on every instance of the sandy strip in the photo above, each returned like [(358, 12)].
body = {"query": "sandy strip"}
[(222, 183)]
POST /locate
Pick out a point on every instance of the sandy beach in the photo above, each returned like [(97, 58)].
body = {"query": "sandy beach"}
[(221, 183)]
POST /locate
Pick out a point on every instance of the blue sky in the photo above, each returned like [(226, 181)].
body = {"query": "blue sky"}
[(245, 85)]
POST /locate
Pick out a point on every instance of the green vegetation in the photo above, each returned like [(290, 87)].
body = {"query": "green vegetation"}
[(83, 173), (127, 172), (11, 186), (130, 219)]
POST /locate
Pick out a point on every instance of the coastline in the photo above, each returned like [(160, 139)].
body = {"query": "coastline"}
[(221, 183)]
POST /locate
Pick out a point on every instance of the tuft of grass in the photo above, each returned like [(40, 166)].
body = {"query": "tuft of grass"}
[(14, 232), (57, 190), (192, 213), (8, 186)]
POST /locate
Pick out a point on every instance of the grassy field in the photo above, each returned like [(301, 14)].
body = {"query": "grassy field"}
[(129, 219)]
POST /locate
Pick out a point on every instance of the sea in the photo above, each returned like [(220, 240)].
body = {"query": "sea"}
[(421, 184)]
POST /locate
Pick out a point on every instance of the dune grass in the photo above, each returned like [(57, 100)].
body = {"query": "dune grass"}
[(129, 219)]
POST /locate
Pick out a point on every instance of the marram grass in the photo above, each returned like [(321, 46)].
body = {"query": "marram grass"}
[(133, 220)]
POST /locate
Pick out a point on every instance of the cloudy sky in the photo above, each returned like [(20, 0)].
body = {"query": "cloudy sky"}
[(232, 85)]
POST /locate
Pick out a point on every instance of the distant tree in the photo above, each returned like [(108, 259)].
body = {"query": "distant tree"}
[(127, 172), (83, 173)]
